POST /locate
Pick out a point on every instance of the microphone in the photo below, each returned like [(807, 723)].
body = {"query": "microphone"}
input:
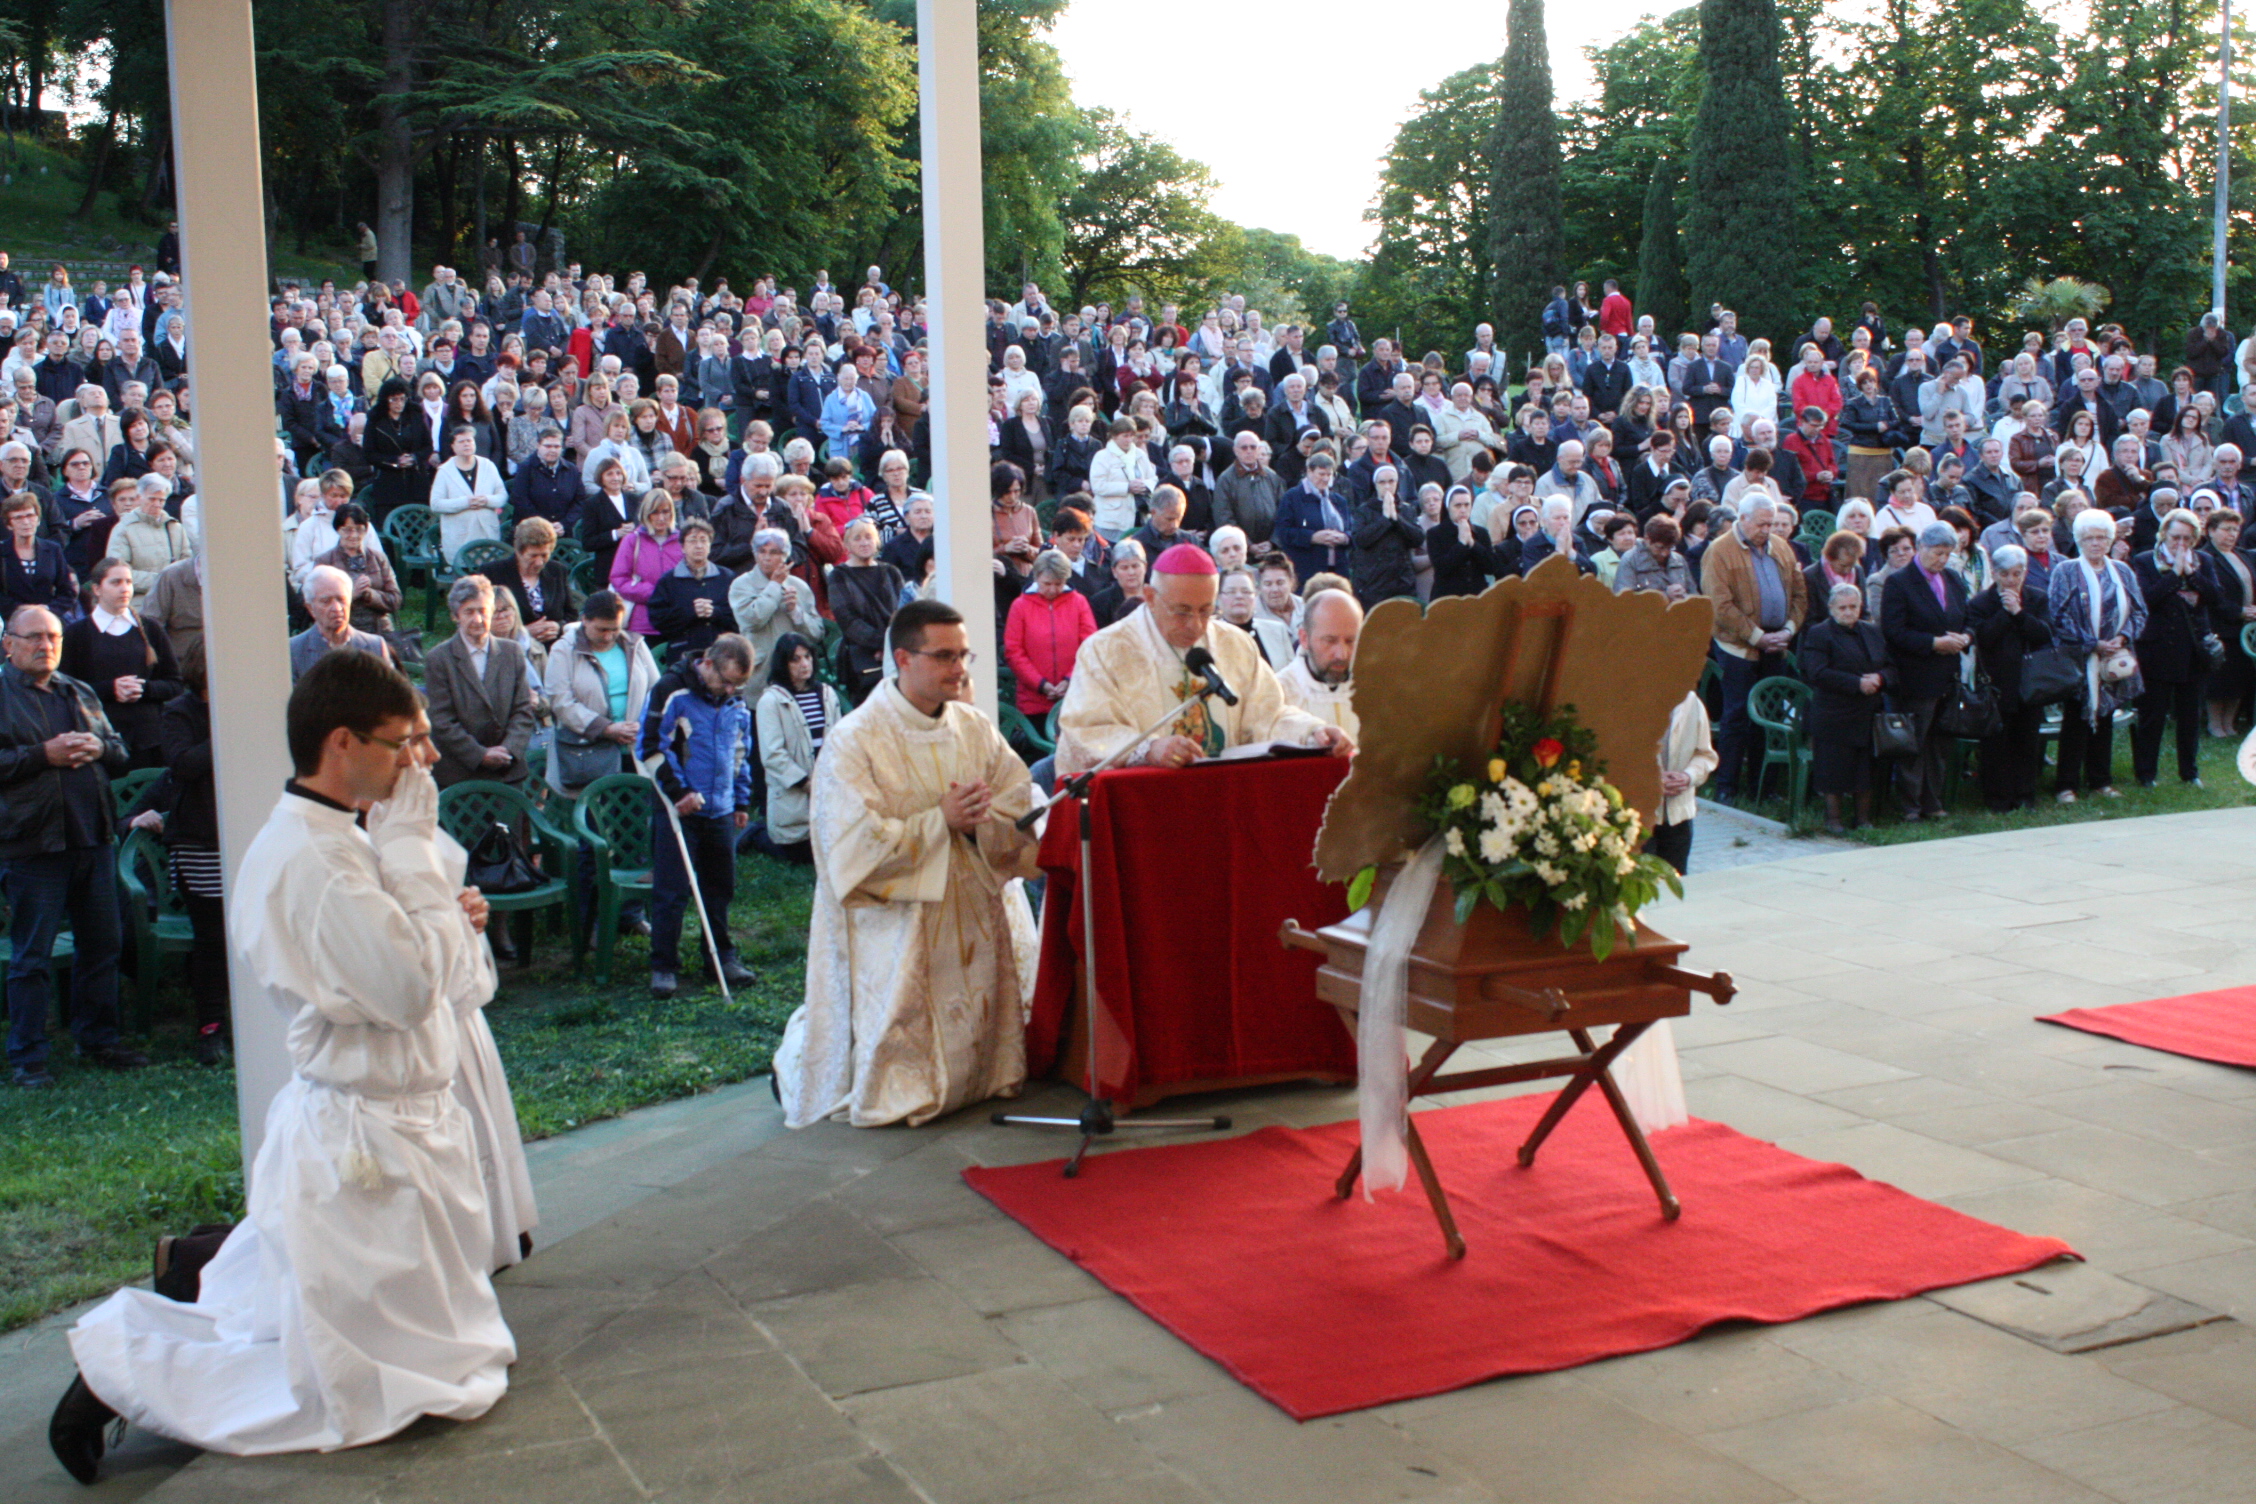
[(1201, 662)]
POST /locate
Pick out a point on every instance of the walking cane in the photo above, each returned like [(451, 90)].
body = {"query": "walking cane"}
[(696, 890)]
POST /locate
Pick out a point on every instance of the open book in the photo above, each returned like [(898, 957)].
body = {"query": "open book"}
[(1252, 750)]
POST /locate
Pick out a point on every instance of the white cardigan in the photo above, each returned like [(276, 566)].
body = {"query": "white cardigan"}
[(451, 495)]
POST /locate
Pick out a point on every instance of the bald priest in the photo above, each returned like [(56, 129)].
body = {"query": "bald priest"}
[(1127, 676)]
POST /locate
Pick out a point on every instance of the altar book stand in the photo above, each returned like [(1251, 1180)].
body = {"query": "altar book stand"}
[(1491, 979)]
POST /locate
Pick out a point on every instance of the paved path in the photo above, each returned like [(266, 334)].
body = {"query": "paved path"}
[(831, 1315)]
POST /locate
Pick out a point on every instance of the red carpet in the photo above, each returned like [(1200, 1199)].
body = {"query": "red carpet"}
[(2219, 1026), (1323, 1306)]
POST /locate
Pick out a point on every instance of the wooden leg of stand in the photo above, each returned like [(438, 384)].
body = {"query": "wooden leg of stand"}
[(1595, 1061), (1437, 1054), (1439, 1202), (1670, 1209)]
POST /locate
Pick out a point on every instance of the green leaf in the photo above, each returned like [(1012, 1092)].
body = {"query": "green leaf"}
[(1467, 897), (1359, 887)]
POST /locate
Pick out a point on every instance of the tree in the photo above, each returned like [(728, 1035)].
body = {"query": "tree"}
[(1431, 258), (1740, 222), (1526, 221), (1660, 262), (1138, 219), (1648, 89)]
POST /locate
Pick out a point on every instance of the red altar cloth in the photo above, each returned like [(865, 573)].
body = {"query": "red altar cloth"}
[(1198, 868)]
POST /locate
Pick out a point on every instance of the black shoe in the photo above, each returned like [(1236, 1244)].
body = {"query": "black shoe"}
[(117, 1057), (504, 949), (32, 1077), (663, 985), (735, 972), (524, 1245), (75, 1431), (209, 1047)]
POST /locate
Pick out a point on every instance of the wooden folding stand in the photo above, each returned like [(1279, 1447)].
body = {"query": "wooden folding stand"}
[(1491, 979)]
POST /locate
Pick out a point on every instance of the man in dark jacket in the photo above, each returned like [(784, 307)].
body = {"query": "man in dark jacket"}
[(57, 864), (548, 487), (1605, 381), (59, 377), (1707, 381)]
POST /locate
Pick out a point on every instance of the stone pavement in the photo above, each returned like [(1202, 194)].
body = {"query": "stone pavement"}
[(832, 1315)]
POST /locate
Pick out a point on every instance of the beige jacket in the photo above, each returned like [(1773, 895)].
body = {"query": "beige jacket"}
[(1687, 748)]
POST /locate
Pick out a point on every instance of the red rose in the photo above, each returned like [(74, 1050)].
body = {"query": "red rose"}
[(1548, 751)]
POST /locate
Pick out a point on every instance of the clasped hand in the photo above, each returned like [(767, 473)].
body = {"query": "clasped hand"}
[(966, 805)]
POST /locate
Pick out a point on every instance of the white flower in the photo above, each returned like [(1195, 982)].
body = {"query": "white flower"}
[(1454, 842), (1574, 900), (1624, 866), (1495, 847)]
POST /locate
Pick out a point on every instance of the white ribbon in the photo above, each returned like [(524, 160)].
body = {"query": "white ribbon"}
[(1382, 1060)]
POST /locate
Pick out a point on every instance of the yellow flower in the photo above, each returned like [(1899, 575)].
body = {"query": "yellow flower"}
[(1574, 770), (1496, 770)]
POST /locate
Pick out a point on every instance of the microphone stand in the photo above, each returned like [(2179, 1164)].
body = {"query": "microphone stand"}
[(1098, 1119)]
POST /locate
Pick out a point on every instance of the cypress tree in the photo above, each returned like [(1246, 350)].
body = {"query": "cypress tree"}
[(1739, 225), (1526, 221), (1660, 262)]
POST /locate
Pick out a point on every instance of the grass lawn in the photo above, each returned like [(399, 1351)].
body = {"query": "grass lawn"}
[(93, 1169), (2223, 788)]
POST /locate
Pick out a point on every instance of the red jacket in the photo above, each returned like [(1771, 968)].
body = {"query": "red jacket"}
[(1815, 459), (1616, 318), (1041, 638), (1820, 390)]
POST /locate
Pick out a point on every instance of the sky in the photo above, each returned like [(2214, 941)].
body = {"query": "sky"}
[(1257, 91)]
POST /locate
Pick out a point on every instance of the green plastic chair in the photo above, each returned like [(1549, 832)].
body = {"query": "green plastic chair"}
[(156, 919), (411, 538), (1050, 724), (613, 816), (476, 555), (1022, 733), (2248, 639), (127, 788), (588, 576), (568, 552), (1781, 707), (471, 808), (1819, 524)]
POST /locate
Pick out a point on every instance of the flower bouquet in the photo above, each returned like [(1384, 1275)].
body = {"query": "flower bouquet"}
[(1539, 827)]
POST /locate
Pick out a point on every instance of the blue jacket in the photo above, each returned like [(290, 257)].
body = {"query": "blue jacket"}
[(703, 741), (807, 390), (841, 408), (1300, 514)]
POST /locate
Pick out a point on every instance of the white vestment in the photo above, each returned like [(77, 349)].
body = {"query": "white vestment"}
[(1333, 704), (356, 1294), (482, 1087), (921, 956), (1127, 675)]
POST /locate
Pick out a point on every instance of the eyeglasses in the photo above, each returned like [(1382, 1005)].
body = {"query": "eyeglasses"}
[(947, 659), (419, 739)]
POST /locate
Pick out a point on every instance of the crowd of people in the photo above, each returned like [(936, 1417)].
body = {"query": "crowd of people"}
[(675, 483)]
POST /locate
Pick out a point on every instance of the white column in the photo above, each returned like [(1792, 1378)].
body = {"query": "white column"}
[(955, 283), (215, 132)]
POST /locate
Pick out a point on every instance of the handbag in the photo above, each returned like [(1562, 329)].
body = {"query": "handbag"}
[(1894, 734), (501, 863), (579, 761), (2049, 675), (1970, 711)]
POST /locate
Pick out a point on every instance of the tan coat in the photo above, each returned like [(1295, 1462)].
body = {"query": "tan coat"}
[(1727, 577)]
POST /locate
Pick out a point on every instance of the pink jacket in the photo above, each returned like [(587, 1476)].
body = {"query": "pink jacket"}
[(1041, 639), (641, 562)]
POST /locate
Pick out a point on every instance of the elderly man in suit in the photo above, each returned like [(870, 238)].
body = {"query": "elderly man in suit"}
[(95, 429), (481, 693)]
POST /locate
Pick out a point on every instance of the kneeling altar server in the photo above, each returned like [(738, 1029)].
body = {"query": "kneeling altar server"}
[(355, 1295), (920, 959)]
